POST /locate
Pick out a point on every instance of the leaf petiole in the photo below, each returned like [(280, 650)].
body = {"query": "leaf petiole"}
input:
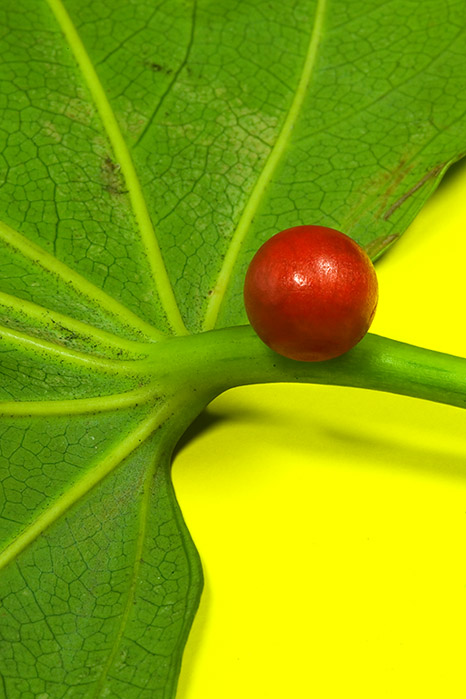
[(217, 360)]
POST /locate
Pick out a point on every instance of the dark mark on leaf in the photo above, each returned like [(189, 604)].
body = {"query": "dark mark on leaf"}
[(157, 68), (432, 173), (376, 247), (113, 181), (114, 190), (110, 165)]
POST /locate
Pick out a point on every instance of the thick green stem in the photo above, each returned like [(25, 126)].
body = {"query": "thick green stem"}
[(217, 360)]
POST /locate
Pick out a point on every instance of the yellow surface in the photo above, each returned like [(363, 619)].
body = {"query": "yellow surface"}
[(332, 522)]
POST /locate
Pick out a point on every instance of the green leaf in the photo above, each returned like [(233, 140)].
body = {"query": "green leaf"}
[(146, 151)]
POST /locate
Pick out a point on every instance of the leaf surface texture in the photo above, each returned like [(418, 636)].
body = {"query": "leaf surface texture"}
[(147, 149)]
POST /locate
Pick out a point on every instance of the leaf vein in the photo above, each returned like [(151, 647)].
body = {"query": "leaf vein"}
[(183, 63), (83, 486), (268, 171), (64, 323), (122, 154), (144, 512), (37, 346), (83, 286), (78, 406)]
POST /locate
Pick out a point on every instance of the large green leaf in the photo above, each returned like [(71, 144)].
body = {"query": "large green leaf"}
[(146, 150)]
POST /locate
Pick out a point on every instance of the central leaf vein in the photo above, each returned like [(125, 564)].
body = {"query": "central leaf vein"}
[(270, 167), (123, 157)]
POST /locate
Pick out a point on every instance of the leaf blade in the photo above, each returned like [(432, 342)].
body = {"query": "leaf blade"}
[(197, 100), (109, 603)]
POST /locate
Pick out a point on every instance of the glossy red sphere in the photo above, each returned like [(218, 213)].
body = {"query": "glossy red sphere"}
[(310, 293)]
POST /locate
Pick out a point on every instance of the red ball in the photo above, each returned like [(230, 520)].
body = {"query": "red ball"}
[(310, 293)]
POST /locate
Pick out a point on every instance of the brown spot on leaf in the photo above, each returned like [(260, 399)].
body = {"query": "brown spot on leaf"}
[(432, 173), (377, 191), (113, 182), (157, 68), (376, 247)]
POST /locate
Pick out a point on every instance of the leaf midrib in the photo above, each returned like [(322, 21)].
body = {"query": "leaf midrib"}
[(269, 169), (154, 256)]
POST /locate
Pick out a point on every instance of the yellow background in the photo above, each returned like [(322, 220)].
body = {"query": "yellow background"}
[(331, 522)]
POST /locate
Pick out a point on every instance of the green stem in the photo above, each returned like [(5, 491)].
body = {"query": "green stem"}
[(217, 360)]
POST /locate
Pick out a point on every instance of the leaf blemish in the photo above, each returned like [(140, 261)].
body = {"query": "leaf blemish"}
[(113, 181), (432, 173), (157, 68)]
